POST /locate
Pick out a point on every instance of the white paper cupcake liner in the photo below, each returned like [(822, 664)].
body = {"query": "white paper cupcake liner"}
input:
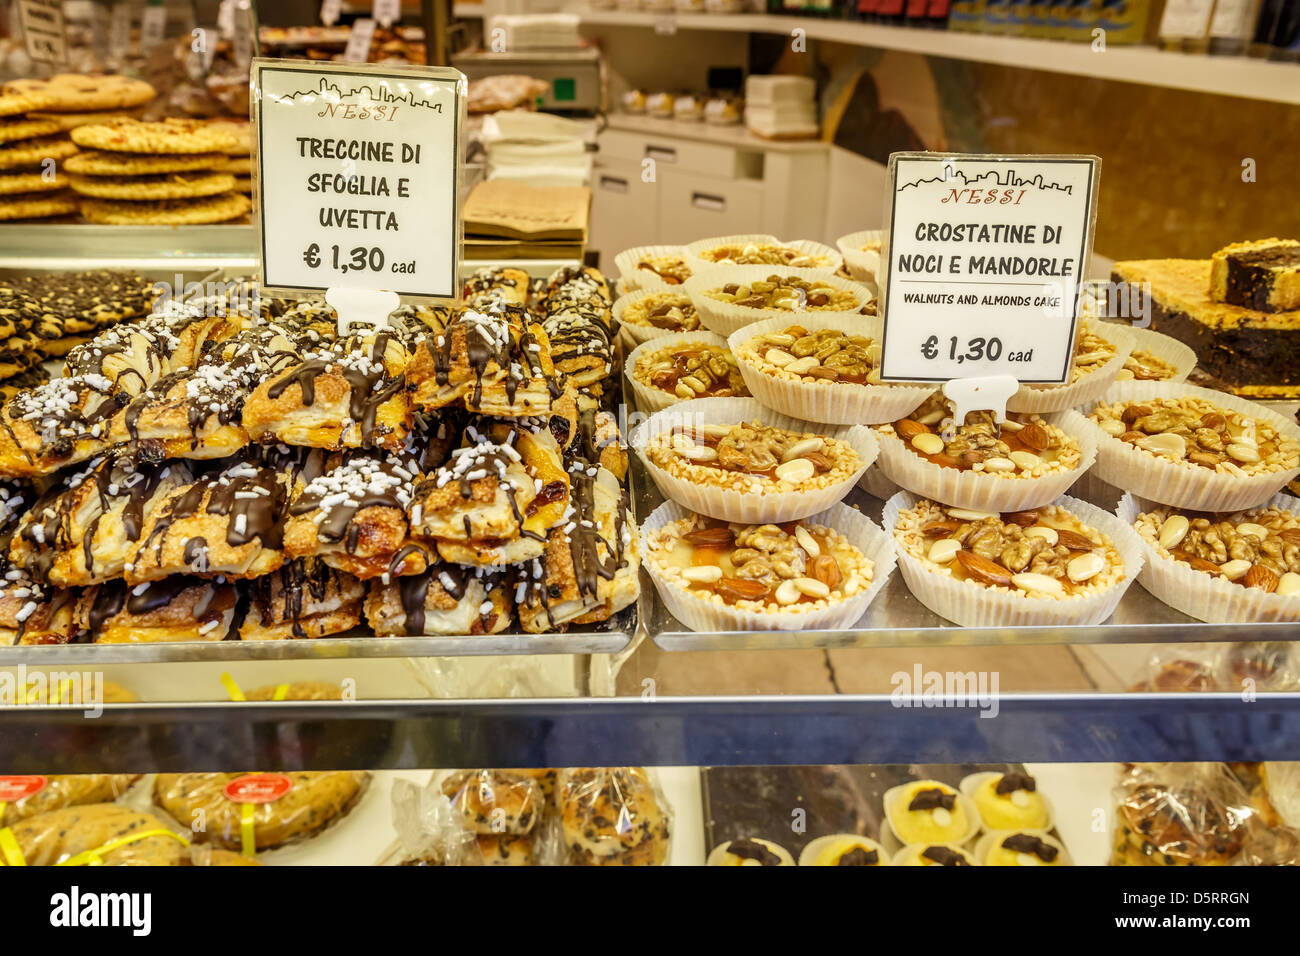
[(634, 278), (993, 837), (973, 605), (892, 795), (876, 484), (695, 251), (1089, 388), (836, 403), (643, 333), (648, 398), (972, 782), (814, 847), (1185, 486), (863, 266), (748, 507), (1200, 595), (1164, 347), (726, 318), (981, 491), (700, 614)]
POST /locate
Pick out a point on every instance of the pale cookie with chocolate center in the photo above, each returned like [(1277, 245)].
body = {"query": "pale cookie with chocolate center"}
[(160, 186), (168, 136), (97, 163), (31, 183), (33, 152), (166, 212), (37, 205), (74, 92), (23, 128)]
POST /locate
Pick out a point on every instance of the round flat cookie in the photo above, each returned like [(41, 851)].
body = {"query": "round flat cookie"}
[(31, 182), (21, 312), (57, 348), (37, 205), (22, 128), (241, 130), (238, 166), (167, 136), (69, 121), (166, 212), (34, 152), (30, 378), (11, 365), (244, 184), (98, 163), (14, 103), (75, 92), (160, 186)]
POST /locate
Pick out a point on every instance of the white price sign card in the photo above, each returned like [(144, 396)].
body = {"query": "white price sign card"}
[(44, 32), (984, 265), (357, 176)]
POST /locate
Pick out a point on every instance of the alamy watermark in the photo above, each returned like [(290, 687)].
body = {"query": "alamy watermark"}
[(921, 688), (75, 689)]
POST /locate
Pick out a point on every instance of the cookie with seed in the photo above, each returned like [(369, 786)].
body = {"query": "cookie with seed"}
[(165, 136), (77, 93), (69, 121), (159, 186), (20, 127), (11, 104), (99, 163), (169, 212), (31, 182), (34, 152), (37, 205)]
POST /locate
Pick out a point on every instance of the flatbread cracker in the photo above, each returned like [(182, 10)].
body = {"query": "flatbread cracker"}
[(31, 183), (167, 136), (172, 212), (160, 186), (34, 152), (37, 205), (76, 92), (25, 128), (99, 163)]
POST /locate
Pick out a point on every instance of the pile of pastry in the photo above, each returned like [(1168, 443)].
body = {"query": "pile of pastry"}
[(216, 471)]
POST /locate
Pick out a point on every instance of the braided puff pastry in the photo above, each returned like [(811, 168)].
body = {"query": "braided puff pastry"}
[(177, 608), (446, 599), (611, 817), (304, 599), (488, 289), (84, 534), (49, 838), (62, 422), (34, 613)]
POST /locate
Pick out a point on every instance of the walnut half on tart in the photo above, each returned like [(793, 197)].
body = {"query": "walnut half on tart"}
[(1193, 432), (788, 294), (1257, 549), (752, 457), (690, 370), (764, 254), (671, 270), (798, 565), (1023, 446), (1043, 553), (1144, 366), (671, 311), (827, 355)]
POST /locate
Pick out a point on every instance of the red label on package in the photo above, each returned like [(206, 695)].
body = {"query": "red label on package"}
[(19, 788), (258, 788)]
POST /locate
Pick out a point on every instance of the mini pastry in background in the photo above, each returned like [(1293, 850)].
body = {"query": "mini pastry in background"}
[(927, 811), (689, 108), (660, 105), (723, 111), (750, 851), (634, 101), (844, 849), (1008, 801), (934, 854)]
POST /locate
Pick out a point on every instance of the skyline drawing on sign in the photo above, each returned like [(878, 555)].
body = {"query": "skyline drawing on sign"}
[(332, 93), (1005, 178)]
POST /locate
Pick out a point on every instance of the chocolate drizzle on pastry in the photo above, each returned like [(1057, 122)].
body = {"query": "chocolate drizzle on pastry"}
[(251, 498), (297, 580)]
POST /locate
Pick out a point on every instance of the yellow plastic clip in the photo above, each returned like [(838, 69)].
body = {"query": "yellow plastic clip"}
[(95, 857), (9, 848), (232, 688), (247, 843)]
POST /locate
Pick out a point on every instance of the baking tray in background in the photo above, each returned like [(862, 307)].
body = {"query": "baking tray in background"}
[(742, 802)]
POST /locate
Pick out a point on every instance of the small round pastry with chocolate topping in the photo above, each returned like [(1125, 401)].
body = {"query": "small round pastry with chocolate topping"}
[(927, 811), (1026, 847), (844, 849), (1008, 800), (750, 851), (653, 313), (678, 368), (935, 854)]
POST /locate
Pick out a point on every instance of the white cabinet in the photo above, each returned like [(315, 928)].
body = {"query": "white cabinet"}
[(692, 206), (624, 210)]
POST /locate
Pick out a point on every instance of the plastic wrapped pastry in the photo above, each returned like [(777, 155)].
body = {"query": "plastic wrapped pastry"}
[(489, 802), (446, 599), (1179, 815), (47, 793), (177, 608), (304, 599), (100, 834), (611, 816)]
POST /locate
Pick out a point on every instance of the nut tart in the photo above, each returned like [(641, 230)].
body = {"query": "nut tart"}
[(728, 298), (443, 600), (926, 811), (844, 849), (32, 612), (1064, 563), (678, 368), (1100, 351), (861, 252), (177, 608), (1027, 847), (1224, 567), (750, 851), (303, 599), (652, 267), (48, 839), (495, 500), (1192, 447), (1156, 357), (1024, 462), (730, 458), (488, 288), (762, 250), (349, 394), (353, 518), (1006, 801), (84, 529), (613, 816), (228, 523), (821, 370), (590, 570), (816, 572), (934, 854), (653, 313)]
